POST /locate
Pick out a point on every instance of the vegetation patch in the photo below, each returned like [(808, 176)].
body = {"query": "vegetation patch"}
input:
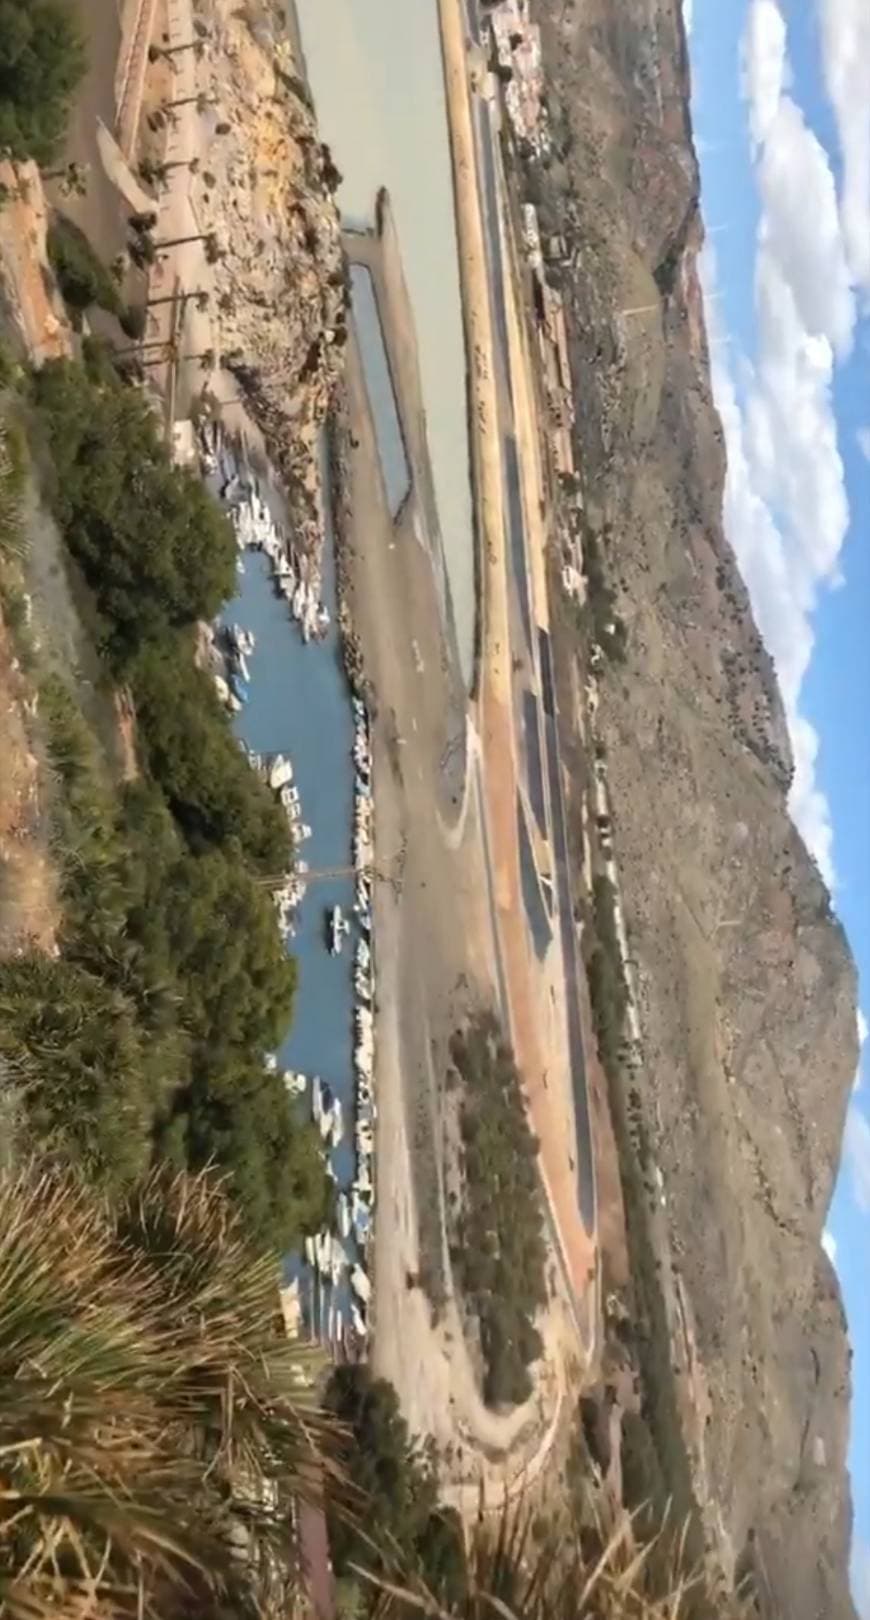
[(173, 982), (395, 1477), (42, 60), (497, 1249), (122, 1330), (655, 1460), (81, 275)]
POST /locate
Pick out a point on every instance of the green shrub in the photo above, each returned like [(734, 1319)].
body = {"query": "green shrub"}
[(153, 545), (499, 1253), (395, 1477), (173, 980), (134, 320), (81, 276), (42, 59)]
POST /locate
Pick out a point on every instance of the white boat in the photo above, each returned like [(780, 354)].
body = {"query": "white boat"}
[(343, 1215), (360, 1284), (337, 926), (337, 1260), (361, 1217), (363, 1178), (335, 1129), (280, 773)]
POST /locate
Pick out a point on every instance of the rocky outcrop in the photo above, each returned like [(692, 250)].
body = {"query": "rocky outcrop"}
[(747, 986), (281, 290)]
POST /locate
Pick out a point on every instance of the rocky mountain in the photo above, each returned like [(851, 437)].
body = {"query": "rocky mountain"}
[(280, 281), (748, 987)]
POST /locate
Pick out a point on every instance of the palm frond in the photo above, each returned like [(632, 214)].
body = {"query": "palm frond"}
[(157, 1428)]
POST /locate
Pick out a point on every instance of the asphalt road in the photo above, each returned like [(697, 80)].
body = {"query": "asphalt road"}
[(540, 657)]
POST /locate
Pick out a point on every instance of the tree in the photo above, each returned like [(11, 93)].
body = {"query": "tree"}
[(81, 275), (207, 359), (73, 179), (143, 251), (154, 1415), (395, 1480), (200, 296), (212, 248), (42, 60), (155, 52), (154, 173), (153, 545)]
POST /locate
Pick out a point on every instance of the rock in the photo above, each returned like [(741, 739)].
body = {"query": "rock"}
[(279, 282)]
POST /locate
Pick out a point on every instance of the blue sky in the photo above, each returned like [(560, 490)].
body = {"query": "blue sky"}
[(781, 106)]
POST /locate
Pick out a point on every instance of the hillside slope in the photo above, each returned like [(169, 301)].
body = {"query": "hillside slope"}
[(747, 982)]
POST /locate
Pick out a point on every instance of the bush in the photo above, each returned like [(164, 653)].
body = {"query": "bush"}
[(153, 545), (81, 276), (134, 320), (394, 1477), (42, 59), (173, 980), (191, 751), (499, 1251), (74, 1042), (172, 984)]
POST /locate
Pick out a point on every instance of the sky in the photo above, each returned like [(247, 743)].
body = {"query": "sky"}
[(781, 111)]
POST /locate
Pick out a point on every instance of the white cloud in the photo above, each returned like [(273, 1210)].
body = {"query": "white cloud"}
[(801, 225), (859, 1572), (829, 1244), (688, 14), (792, 426), (785, 509), (786, 506), (845, 30), (856, 1155), (863, 1028), (763, 65), (863, 437)]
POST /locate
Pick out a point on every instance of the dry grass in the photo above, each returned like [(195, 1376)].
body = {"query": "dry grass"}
[(603, 1572)]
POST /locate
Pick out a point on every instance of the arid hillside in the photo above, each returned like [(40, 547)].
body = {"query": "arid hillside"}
[(747, 985)]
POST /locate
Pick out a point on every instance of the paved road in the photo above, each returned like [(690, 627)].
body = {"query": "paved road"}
[(541, 658), (586, 1185)]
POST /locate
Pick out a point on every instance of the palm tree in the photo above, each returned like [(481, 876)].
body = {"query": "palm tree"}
[(203, 102), (142, 250), (208, 238), (73, 178), (155, 52), (200, 296), (156, 1422), (206, 359), (156, 173)]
